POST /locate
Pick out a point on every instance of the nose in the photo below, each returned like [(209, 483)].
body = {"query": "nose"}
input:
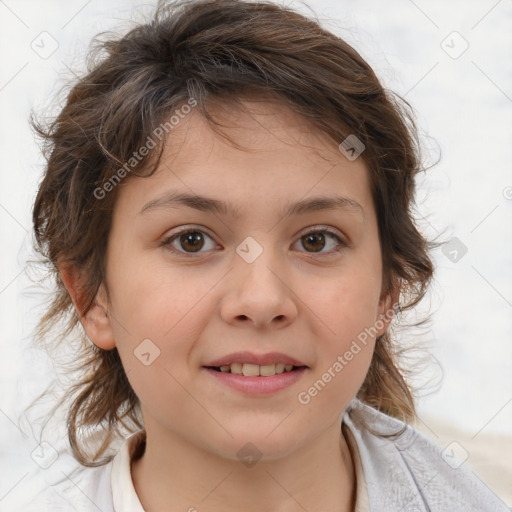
[(259, 293)]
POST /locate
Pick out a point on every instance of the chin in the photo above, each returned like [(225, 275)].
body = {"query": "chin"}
[(258, 444)]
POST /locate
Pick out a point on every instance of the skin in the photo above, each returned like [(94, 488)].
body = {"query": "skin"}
[(197, 308)]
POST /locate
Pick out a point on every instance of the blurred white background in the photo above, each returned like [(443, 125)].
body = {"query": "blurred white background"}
[(451, 61)]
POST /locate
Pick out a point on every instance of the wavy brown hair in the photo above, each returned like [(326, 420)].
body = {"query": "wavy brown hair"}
[(211, 51)]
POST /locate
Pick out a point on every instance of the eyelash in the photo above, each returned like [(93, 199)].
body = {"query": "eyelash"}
[(342, 243)]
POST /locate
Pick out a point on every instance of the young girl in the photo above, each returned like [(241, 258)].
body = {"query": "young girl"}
[(227, 208)]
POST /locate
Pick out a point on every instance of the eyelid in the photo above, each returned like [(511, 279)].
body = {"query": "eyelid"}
[(326, 228)]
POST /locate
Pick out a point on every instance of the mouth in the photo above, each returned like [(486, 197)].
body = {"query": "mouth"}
[(254, 370), (256, 380)]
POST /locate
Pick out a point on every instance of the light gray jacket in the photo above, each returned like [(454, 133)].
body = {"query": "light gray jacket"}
[(412, 473)]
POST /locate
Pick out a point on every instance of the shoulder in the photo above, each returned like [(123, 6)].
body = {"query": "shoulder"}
[(410, 471)]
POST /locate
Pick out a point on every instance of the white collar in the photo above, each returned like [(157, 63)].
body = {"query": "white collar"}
[(124, 497)]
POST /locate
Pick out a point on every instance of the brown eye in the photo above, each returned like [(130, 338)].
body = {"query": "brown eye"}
[(188, 241), (192, 240), (316, 241)]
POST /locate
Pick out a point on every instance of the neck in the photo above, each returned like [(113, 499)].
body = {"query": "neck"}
[(319, 476)]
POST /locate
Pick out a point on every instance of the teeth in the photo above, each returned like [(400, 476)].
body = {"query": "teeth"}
[(236, 368), (254, 370), (250, 370)]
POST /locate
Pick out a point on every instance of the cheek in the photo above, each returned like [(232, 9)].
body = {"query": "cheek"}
[(348, 309), (345, 350), (155, 299), (156, 352), (347, 303)]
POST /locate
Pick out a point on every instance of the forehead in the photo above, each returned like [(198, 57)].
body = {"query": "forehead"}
[(256, 125), (263, 153)]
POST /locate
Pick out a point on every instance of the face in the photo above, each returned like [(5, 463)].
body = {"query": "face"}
[(193, 282)]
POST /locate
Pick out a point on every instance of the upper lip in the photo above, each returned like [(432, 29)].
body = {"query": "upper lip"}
[(259, 359)]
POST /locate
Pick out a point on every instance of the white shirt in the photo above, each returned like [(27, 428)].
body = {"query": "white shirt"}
[(407, 474)]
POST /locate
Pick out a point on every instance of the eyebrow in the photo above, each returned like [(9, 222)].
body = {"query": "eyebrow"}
[(207, 204)]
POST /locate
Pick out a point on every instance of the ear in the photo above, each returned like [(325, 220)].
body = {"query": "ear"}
[(96, 322), (387, 308)]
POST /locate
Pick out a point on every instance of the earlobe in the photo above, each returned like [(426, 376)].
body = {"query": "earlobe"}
[(96, 321)]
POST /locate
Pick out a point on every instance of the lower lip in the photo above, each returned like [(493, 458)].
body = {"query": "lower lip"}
[(258, 385)]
